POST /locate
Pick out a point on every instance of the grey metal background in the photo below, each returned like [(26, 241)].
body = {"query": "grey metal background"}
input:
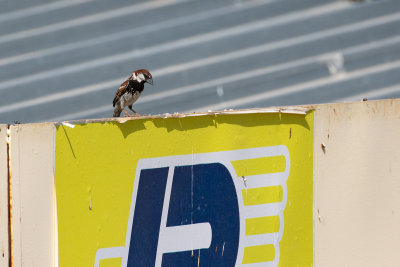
[(62, 60)]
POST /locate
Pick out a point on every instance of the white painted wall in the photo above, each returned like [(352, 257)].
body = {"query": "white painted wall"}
[(32, 194), (357, 184)]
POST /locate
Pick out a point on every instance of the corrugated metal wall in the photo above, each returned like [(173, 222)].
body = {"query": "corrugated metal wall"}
[(65, 59)]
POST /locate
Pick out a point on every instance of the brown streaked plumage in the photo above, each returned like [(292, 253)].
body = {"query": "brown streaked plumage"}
[(130, 90)]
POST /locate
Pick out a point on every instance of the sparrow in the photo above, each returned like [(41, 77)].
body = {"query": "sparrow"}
[(130, 90)]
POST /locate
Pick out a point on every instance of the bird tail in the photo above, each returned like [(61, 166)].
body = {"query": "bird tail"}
[(117, 112)]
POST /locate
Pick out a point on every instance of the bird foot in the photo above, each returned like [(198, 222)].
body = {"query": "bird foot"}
[(131, 115), (127, 114)]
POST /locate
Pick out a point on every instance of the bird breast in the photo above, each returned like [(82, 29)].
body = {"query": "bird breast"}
[(129, 98)]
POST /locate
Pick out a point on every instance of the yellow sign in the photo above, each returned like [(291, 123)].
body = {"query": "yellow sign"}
[(226, 190)]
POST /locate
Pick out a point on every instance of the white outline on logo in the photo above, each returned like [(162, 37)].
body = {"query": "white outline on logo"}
[(203, 237)]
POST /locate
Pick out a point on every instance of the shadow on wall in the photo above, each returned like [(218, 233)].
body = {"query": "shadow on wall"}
[(186, 123)]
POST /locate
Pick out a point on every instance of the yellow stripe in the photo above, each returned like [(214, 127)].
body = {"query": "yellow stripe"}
[(112, 262), (262, 225), (262, 195), (256, 254), (257, 166)]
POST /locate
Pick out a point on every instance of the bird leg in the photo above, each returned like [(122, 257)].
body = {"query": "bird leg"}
[(130, 107)]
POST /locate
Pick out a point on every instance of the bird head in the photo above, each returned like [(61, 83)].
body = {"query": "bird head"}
[(142, 75)]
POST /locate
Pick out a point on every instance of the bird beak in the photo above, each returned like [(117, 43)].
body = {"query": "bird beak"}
[(150, 81)]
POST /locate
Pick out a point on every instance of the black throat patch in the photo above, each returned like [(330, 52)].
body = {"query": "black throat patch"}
[(135, 86)]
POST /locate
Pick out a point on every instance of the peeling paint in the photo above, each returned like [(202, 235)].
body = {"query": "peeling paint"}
[(323, 147), (90, 203), (68, 124), (10, 237), (319, 216), (244, 181), (198, 259)]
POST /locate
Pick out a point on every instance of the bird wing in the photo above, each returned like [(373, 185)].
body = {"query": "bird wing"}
[(120, 92)]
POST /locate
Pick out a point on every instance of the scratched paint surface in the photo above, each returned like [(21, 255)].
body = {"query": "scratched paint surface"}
[(96, 165)]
